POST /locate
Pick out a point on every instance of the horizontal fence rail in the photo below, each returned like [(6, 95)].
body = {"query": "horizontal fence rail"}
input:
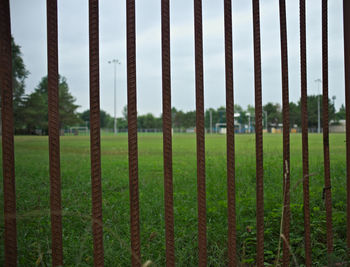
[(10, 231)]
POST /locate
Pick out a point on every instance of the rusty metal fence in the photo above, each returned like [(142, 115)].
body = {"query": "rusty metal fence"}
[(10, 235)]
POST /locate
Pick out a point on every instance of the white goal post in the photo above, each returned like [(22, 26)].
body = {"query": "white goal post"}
[(221, 127), (79, 130), (220, 130)]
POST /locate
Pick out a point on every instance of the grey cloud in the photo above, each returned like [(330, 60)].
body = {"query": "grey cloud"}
[(29, 30)]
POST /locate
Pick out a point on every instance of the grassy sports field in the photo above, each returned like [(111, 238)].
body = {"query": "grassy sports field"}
[(32, 188)]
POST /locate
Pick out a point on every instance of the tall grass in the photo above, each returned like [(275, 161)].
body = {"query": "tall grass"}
[(32, 187)]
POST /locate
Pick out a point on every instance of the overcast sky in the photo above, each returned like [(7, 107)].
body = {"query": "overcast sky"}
[(29, 30)]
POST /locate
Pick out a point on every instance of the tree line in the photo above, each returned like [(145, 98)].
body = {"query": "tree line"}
[(272, 116), (31, 110)]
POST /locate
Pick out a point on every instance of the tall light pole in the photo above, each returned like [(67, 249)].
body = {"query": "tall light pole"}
[(115, 63), (318, 81)]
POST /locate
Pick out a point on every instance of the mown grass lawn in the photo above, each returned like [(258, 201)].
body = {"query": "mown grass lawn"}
[(32, 188)]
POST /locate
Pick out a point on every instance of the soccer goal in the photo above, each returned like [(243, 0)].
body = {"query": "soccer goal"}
[(79, 130)]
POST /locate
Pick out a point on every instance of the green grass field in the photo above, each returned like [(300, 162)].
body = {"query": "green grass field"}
[(32, 188)]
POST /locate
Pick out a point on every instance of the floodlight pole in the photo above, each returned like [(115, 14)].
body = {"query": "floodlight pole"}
[(115, 63)]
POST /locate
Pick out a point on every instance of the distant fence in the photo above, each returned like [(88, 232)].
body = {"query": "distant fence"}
[(55, 179), (86, 132)]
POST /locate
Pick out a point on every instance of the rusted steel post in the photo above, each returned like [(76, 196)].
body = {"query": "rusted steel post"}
[(202, 237), (286, 141), (304, 125), (167, 137), (132, 135), (258, 137), (325, 125), (230, 137), (95, 144), (54, 133), (346, 18), (8, 160)]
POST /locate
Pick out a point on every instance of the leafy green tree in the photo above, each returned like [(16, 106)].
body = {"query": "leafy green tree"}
[(189, 119), (36, 111), (145, 121), (174, 120), (148, 121), (312, 110), (85, 117), (122, 123), (238, 108), (19, 74), (36, 107), (251, 110), (178, 121), (340, 115), (173, 114), (294, 114), (221, 113), (218, 116), (106, 121), (274, 114)]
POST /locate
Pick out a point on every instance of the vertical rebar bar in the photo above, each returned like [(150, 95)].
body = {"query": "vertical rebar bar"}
[(202, 238), (95, 143), (230, 137), (286, 127), (132, 135), (325, 125), (167, 136), (54, 133), (305, 142), (258, 137), (8, 160), (346, 18)]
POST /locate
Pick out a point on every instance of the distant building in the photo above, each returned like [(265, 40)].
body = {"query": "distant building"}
[(339, 128)]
